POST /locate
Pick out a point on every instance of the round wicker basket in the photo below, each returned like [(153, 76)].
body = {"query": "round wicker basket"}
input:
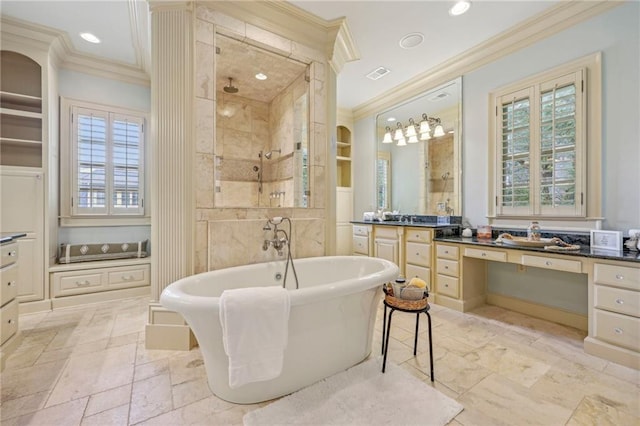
[(410, 305)]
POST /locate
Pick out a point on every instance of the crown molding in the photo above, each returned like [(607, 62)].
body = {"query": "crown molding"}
[(139, 18), (344, 48), (557, 18), (60, 48)]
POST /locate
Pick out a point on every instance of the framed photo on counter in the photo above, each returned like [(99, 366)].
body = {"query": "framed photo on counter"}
[(606, 240)]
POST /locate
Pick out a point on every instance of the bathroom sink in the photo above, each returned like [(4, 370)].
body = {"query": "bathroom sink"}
[(523, 242)]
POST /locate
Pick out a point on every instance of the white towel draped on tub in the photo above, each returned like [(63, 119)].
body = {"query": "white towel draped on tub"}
[(255, 328)]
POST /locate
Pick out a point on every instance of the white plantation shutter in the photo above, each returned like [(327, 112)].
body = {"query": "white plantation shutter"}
[(383, 180), (540, 155), (108, 163)]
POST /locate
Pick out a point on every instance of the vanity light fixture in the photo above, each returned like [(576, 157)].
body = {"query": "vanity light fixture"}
[(411, 130), (425, 136), (387, 136), (459, 8), (402, 141), (439, 130), (413, 139), (261, 76), (399, 134), (91, 38), (424, 124)]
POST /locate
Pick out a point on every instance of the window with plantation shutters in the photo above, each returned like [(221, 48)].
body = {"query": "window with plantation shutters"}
[(383, 183), (540, 148), (107, 163)]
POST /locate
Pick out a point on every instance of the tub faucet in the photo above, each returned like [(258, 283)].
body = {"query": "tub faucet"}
[(278, 242)]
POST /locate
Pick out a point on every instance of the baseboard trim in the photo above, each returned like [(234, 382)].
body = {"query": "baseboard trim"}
[(556, 315), (612, 353), (104, 296)]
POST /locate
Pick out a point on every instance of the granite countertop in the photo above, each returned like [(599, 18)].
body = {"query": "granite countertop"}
[(399, 223), (585, 250), (7, 237)]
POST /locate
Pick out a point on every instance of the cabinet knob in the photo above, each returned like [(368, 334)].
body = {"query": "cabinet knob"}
[(446, 285), (12, 253), (548, 263), (418, 253), (619, 277), (620, 301), (11, 283), (484, 254), (618, 330), (82, 283), (11, 321), (127, 277), (446, 252)]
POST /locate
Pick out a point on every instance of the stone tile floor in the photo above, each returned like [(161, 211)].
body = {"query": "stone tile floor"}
[(88, 365)]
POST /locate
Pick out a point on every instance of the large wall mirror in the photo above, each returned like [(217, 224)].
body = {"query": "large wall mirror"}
[(418, 166), (262, 131)]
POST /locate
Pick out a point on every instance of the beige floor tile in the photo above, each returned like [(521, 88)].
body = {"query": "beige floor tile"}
[(124, 339), (209, 411), (509, 363), (602, 412), (23, 405), (95, 372), (454, 371), (30, 380), (501, 400), (150, 398), (108, 400), (186, 366), (24, 356), (68, 414), (189, 392), (624, 373), (150, 369), (114, 416)]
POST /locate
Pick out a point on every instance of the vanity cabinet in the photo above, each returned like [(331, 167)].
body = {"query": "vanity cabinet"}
[(418, 254), (387, 243), (361, 240), (615, 318), (8, 301), (447, 270)]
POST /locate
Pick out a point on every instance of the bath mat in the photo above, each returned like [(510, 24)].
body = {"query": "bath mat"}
[(362, 395)]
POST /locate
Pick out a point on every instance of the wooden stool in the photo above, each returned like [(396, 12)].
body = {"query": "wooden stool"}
[(411, 306)]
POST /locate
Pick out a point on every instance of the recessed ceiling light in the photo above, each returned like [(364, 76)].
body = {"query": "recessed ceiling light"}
[(90, 38), (411, 40), (459, 8), (261, 76), (391, 119)]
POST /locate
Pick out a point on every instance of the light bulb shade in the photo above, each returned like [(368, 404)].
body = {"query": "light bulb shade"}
[(402, 142), (439, 131), (425, 136), (411, 131), (387, 137), (413, 139), (398, 134), (424, 126)]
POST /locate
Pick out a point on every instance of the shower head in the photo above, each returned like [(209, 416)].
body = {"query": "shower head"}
[(270, 153), (230, 88)]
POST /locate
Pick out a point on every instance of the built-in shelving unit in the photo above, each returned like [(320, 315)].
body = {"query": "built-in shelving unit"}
[(20, 111), (343, 156)]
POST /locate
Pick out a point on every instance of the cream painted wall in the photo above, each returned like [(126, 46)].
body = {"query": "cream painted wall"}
[(85, 87), (615, 33)]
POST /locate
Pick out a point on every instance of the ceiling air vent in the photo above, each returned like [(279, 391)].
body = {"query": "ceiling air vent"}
[(378, 73)]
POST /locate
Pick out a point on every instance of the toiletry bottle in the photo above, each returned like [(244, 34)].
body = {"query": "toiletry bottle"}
[(533, 232)]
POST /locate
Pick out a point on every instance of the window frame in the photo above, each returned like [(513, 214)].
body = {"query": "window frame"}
[(70, 213), (588, 197)]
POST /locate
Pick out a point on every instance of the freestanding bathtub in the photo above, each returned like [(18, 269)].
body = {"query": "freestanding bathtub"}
[(330, 324)]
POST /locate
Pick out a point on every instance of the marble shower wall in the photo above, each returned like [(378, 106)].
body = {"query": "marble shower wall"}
[(440, 158), (231, 236)]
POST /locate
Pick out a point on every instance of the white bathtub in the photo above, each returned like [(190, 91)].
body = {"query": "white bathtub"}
[(330, 325)]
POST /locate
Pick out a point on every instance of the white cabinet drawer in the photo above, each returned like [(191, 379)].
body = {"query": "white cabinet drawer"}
[(128, 277), (552, 263), (386, 232), (424, 274), (78, 283), (361, 245), (9, 253), (419, 254), (448, 286), (447, 267), (619, 276), (9, 321), (447, 252), (620, 330), (496, 256), (419, 235), (8, 283), (360, 230), (617, 300)]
